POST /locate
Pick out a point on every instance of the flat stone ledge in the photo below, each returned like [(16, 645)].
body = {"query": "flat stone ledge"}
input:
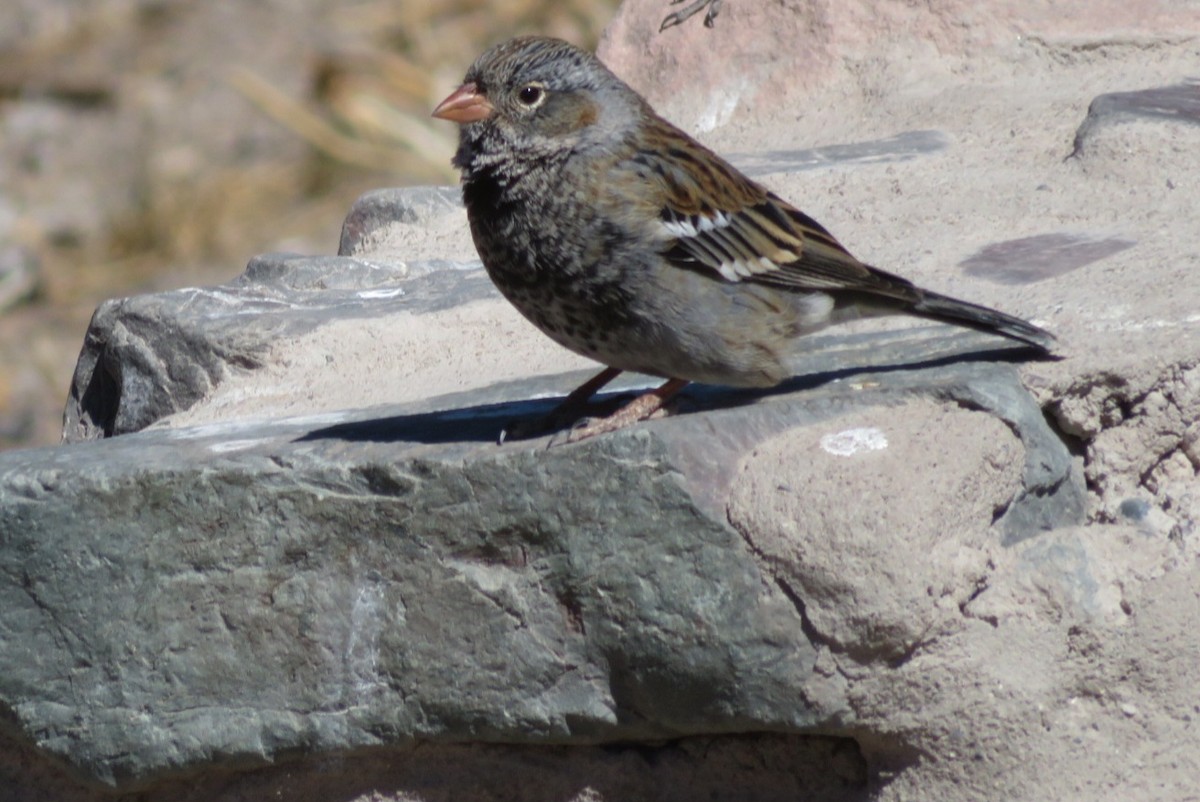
[(249, 589)]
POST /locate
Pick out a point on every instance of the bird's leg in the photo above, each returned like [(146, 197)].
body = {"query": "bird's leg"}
[(569, 410), (677, 18), (580, 395), (639, 409)]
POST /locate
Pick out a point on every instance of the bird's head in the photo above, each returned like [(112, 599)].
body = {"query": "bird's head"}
[(536, 96)]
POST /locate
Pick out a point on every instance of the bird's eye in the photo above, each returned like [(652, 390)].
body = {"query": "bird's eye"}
[(531, 95)]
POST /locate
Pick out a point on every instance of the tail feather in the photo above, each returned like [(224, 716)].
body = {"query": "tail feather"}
[(963, 313)]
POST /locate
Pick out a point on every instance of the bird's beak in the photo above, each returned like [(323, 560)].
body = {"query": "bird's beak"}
[(465, 105)]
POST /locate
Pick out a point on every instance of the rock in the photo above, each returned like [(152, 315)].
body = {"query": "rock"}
[(776, 62), (296, 335), (1134, 431), (901, 147), (1177, 103), (474, 618), (398, 225), (468, 614), (826, 523), (403, 579)]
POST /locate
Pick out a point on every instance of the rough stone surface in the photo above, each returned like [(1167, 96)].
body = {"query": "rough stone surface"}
[(827, 523), (403, 578), (1173, 104), (410, 598), (400, 225), (775, 62), (147, 357)]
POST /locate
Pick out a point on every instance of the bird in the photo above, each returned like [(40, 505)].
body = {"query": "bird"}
[(627, 241)]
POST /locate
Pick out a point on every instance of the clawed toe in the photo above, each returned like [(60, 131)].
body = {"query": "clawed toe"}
[(645, 406), (591, 427)]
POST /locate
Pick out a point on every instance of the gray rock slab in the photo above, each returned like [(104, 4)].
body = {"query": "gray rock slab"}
[(243, 591), (149, 356), (901, 147), (1178, 103), (377, 212)]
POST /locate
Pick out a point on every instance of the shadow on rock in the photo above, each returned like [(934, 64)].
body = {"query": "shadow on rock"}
[(485, 422)]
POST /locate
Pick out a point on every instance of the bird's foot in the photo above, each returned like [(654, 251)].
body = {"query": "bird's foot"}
[(566, 413), (679, 17), (644, 407)]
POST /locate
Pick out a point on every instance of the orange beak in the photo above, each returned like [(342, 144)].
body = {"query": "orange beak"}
[(465, 105)]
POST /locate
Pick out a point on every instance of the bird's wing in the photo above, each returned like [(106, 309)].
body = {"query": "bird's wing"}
[(714, 218)]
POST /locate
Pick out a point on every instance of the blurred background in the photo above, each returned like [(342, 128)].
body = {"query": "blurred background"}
[(153, 144)]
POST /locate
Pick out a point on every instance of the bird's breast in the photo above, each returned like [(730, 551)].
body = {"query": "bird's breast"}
[(562, 266)]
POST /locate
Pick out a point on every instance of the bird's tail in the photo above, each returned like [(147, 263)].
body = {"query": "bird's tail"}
[(961, 313)]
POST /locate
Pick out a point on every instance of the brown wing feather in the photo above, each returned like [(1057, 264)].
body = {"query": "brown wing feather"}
[(718, 219), (715, 219)]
